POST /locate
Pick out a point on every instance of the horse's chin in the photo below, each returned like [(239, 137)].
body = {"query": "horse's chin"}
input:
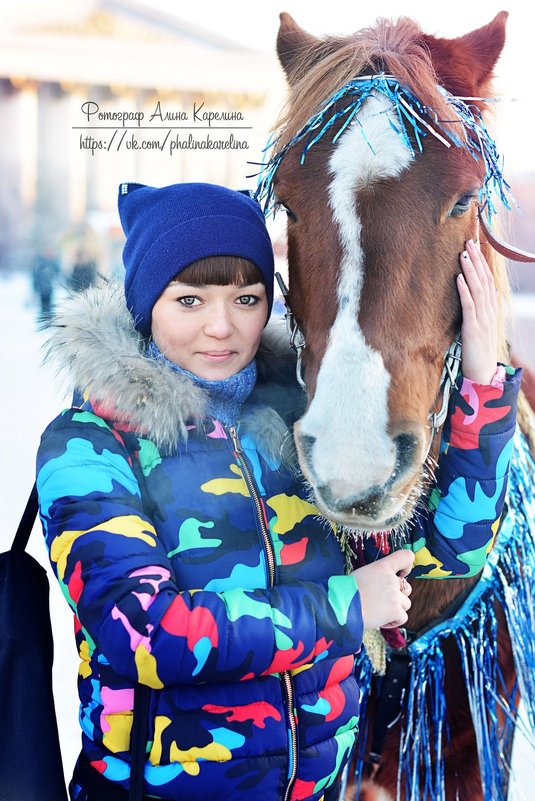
[(389, 507), (393, 517)]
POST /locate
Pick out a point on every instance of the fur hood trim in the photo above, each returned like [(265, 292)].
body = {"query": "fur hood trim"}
[(94, 346)]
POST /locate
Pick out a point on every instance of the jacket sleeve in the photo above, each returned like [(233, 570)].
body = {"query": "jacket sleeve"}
[(455, 533), (119, 580)]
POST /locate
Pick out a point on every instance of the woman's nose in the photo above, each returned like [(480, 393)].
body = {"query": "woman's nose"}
[(219, 324)]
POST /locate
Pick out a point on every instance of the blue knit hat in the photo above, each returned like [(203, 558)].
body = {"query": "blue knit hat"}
[(169, 228)]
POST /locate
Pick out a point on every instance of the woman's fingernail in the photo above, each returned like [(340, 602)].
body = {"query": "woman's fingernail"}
[(465, 255)]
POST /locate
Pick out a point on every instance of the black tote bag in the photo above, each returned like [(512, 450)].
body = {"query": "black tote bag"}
[(30, 757)]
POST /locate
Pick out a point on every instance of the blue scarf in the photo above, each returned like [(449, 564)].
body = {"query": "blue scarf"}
[(225, 396)]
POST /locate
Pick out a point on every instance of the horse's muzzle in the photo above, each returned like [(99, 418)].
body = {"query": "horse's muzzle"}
[(376, 505)]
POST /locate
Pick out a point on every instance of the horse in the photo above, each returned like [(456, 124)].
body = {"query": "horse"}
[(382, 162)]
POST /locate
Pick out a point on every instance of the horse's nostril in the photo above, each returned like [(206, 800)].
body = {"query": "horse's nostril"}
[(406, 449), (307, 440), (307, 443)]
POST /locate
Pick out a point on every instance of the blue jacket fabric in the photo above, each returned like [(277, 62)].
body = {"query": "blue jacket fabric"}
[(199, 567)]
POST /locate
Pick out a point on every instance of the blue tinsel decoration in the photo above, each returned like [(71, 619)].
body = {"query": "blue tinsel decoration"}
[(412, 118), (508, 579)]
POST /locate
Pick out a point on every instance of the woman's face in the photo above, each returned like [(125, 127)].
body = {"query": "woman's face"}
[(212, 331)]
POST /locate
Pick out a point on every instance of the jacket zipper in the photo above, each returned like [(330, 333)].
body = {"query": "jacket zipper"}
[(268, 548), (286, 678), (288, 686)]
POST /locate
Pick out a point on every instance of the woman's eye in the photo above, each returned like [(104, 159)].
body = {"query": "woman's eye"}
[(463, 204), (189, 300), (248, 300)]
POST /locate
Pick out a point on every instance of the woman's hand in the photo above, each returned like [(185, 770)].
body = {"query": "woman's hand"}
[(479, 304), (384, 593)]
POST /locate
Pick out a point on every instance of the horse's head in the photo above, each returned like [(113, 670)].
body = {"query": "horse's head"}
[(379, 209)]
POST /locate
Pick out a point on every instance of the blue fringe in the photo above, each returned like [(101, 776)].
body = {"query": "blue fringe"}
[(508, 579), (408, 110)]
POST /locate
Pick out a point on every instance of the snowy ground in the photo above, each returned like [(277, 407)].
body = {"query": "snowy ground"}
[(30, 399)]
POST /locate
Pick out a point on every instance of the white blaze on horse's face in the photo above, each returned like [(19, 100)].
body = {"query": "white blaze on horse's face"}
[(343, 436)]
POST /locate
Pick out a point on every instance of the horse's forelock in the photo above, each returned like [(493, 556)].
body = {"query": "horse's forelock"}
[(324, 66)]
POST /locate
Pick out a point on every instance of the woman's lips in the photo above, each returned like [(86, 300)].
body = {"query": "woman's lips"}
[(217, 355)]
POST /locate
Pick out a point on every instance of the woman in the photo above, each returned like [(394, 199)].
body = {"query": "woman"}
[(182, 535)]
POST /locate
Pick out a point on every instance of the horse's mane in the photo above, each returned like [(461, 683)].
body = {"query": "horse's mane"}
[(323, 67)]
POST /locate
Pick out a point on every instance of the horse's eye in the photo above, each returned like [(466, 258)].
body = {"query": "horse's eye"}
[(463, 204), (291, 215)]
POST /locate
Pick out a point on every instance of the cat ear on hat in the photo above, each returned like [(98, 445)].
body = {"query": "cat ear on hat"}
[(125, 190), (129, 187)]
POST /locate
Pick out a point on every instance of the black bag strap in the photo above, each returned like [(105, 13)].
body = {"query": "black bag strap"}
[(26, 522)]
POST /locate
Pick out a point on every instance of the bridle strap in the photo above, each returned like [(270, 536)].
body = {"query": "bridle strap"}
[(510, 252), (448, 380), (297, 338)]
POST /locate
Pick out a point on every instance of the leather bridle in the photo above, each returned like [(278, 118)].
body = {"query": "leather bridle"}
[(509, 251)]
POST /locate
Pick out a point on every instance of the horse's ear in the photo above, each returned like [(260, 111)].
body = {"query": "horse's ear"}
[(486, 45), (468, 62), (292, 41)]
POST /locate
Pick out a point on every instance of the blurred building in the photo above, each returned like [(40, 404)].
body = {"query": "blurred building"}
[(121, 57)]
